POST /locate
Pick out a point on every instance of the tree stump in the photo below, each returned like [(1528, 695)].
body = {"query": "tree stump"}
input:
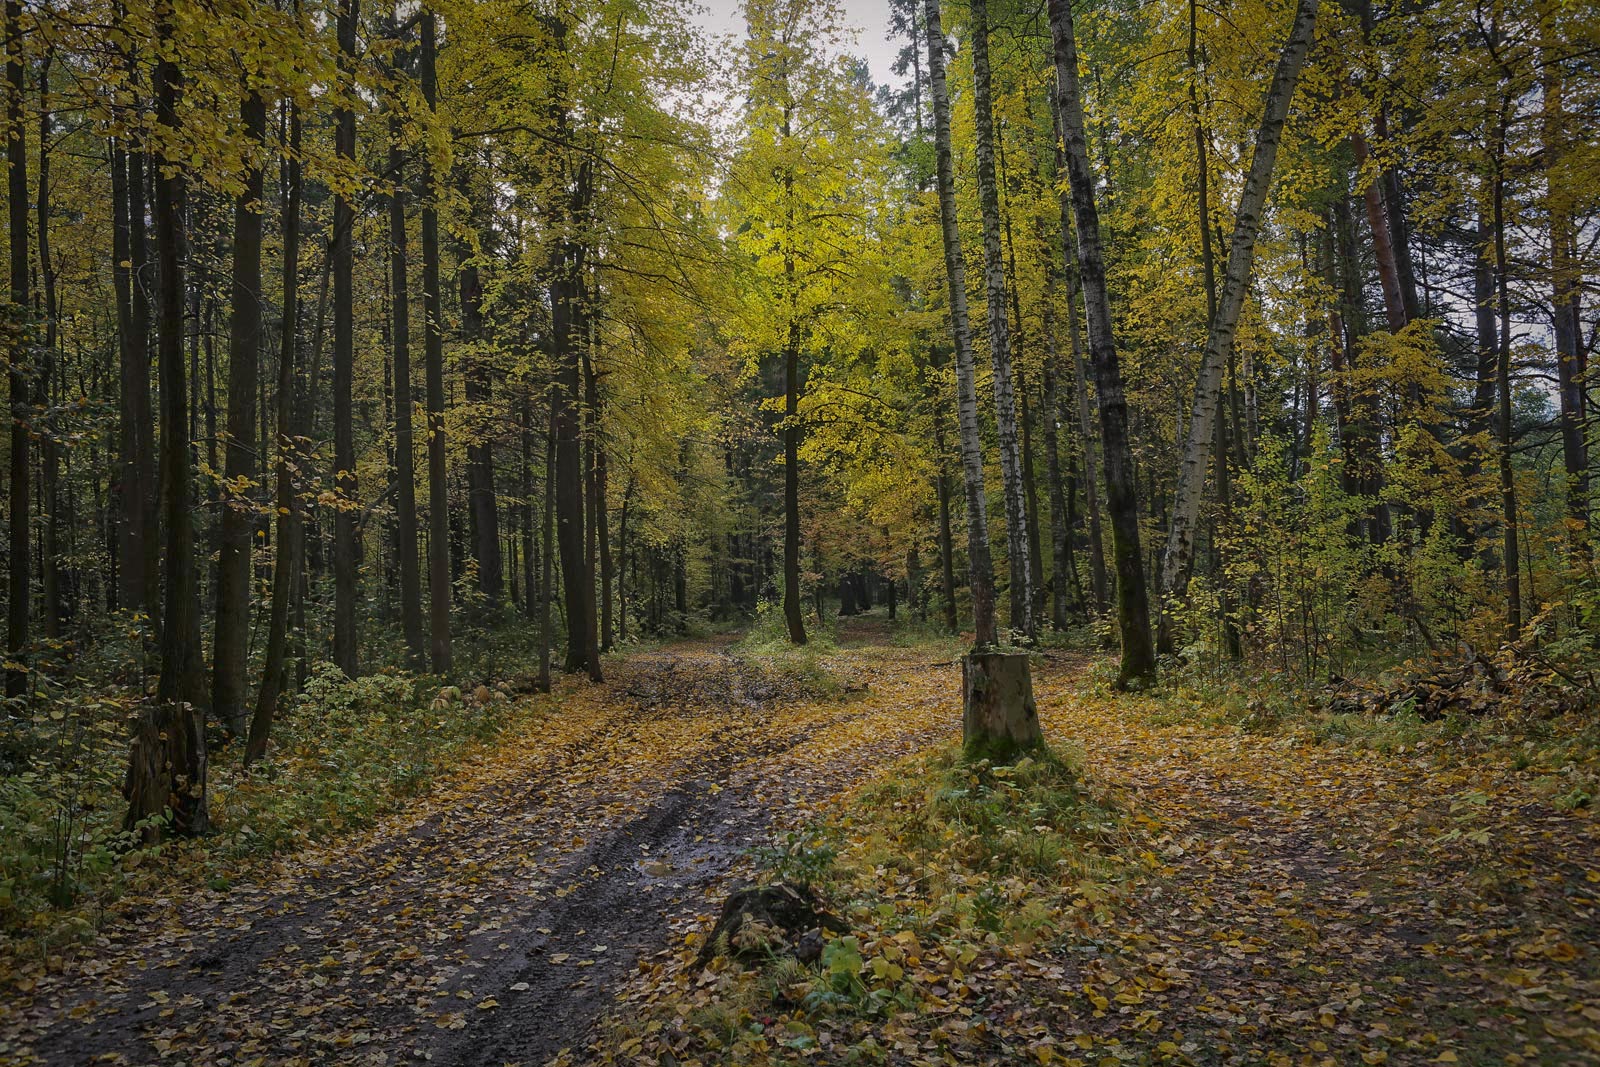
[(999, 718)]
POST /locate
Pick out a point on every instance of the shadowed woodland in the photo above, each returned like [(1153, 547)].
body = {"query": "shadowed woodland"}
[(606, 531)]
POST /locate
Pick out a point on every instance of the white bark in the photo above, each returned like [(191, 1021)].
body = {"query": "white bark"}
[(978, 559), (1236, 281)]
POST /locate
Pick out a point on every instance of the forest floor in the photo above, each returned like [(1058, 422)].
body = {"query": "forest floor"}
[(1273, 899)]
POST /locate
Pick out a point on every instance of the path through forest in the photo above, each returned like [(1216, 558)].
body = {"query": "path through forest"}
[(489, 924)]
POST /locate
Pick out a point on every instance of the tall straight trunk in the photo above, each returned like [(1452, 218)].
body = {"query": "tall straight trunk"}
[(1138, 667), (433, 361), (1364, 431), (547, 546), (570, 336), (530, 554), (167, 763), (483, 502), (1565, 283), (622, 560), (979, 563), (947, 554), (793, 610), (133, 363), (1060, 532), (345, 547), (994, 274), (1508, 485), (290, 530), (143, 514), (404, 435), (591, 499), (1179, 557), (50, 571), (1099, 583), (229, 690), (603, 535), (19, 593)]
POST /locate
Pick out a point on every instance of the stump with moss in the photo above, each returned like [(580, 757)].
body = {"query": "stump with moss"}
[(999, 719)]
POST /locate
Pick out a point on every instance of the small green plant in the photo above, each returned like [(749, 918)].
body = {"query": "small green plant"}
[(803, 857)]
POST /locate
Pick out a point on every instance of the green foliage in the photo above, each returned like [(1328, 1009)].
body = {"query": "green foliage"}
[(342, 755), (801, 857)]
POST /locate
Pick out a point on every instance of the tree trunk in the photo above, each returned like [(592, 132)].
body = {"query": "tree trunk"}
[(433, 360), (979, 564), (547, 546), (1565, 288), (290, 530), (485, 507), (1060, 532), (1011, 474), (167, 763), (1508, 484), (1179, 556), (1138, 666), (229, 690), (999, 718), (404, 435), (571, 335), (345, 546), (19, 594), (50, 572), (1098, 581), (793, 612)]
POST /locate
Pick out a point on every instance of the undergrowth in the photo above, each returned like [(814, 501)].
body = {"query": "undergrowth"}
[(1560, 748), (343, 754), (943, 870)]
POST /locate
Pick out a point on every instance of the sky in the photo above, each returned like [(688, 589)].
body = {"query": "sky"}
[(869, 17)]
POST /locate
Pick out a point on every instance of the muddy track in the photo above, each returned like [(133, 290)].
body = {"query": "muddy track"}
[(492, 931)]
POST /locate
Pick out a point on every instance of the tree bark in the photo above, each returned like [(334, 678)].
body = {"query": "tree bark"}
[(979, 563), (167, 763), (229, 690), (19, 592), (1011, 474), (405, 455), (345, 545), (433, 361), (1138, 667), (1179, 556), (290, 531)]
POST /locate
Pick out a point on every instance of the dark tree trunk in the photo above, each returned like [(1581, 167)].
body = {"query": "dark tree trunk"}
[(404, 435), (290, 531), (345, 543), (547, 548), (229, 690), (1138, 666), (19, 592), (433, 359), (484, 502), (167, 764)]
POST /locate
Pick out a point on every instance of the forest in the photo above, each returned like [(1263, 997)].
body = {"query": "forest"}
[(556, 531)]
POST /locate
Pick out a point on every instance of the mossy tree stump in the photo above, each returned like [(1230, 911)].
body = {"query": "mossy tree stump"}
[(999, 718)]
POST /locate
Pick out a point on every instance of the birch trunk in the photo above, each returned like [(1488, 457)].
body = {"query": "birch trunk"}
[(979, 563), (994, 277), (1179, 554)]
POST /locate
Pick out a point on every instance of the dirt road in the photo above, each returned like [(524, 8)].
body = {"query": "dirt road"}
[(489, 924)]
